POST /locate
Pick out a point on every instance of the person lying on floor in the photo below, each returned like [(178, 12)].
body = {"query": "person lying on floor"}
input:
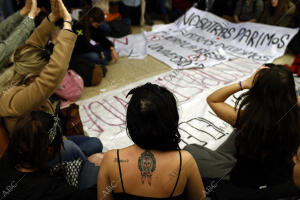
[(92, 44), (15, 30), (35, 74), (154, 167), (258, 154), (24, 171)]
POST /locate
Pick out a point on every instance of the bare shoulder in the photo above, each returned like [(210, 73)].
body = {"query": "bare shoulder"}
[(109, 157), (186, 156), (188, 160), (110, 153)]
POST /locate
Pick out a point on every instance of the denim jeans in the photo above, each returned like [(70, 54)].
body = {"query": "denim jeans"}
[(88, 145), (81, 147), (95, 57)]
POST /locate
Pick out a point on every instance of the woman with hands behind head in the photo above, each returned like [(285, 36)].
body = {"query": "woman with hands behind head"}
[(16, 29), (266, 133), (154, 167)]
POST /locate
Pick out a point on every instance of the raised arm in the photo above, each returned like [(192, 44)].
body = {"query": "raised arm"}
[(16, 29), (30, 97), (42, 33), (15, 39), (217, 99), (8, 25), (217, 102)]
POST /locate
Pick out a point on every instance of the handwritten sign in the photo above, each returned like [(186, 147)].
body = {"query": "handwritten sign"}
[(104, 116), (132, 46), (200, 39)]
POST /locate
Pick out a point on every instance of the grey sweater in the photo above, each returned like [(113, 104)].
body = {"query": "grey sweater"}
[(14, 31)]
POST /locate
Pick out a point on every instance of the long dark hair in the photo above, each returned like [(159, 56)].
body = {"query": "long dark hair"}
[(268, 121), (152, 118), (96, 14), (29, 144)]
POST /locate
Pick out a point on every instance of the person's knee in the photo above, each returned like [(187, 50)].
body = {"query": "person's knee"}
[(94, 56), (91, 146), (97, 144), (71, 151)]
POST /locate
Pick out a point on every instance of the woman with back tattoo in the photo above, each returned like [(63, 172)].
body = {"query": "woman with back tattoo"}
[(153, 167)]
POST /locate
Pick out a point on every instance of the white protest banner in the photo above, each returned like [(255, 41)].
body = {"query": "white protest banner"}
[(200, 39), (104, 116), (133, 46)]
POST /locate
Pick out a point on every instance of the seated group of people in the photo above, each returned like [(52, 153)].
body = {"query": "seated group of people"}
[(259, 160), (272, 12)]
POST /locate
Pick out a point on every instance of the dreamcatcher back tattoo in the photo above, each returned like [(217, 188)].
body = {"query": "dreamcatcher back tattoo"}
[(147, 165)]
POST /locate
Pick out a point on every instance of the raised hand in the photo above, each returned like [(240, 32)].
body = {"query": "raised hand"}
[(64, 13), (248, 83), (34, 10), (27, 6), (30, 8), (54, 15)]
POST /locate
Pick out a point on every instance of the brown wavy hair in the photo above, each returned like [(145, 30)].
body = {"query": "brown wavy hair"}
[(96, 14), (268, 119)]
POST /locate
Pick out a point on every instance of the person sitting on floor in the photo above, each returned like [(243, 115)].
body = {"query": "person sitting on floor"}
[(15, 30), (24, 171), (248, 10), (258, 154), (92, 44), (278, 12), (154, 167), (35, 74)]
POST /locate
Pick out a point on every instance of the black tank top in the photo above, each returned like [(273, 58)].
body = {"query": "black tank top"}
[(124, 196)]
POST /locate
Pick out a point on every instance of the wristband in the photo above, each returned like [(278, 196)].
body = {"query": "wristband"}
[(68, 30), (49, 19), (240, 84), (30, 17), (70, 22)]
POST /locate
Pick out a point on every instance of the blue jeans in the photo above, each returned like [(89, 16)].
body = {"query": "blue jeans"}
[(81, 147), (95, 57), (104, 27), (88, 145), (89, 172)]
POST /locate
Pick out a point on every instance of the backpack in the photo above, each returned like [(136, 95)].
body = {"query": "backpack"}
[(70, 88)]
